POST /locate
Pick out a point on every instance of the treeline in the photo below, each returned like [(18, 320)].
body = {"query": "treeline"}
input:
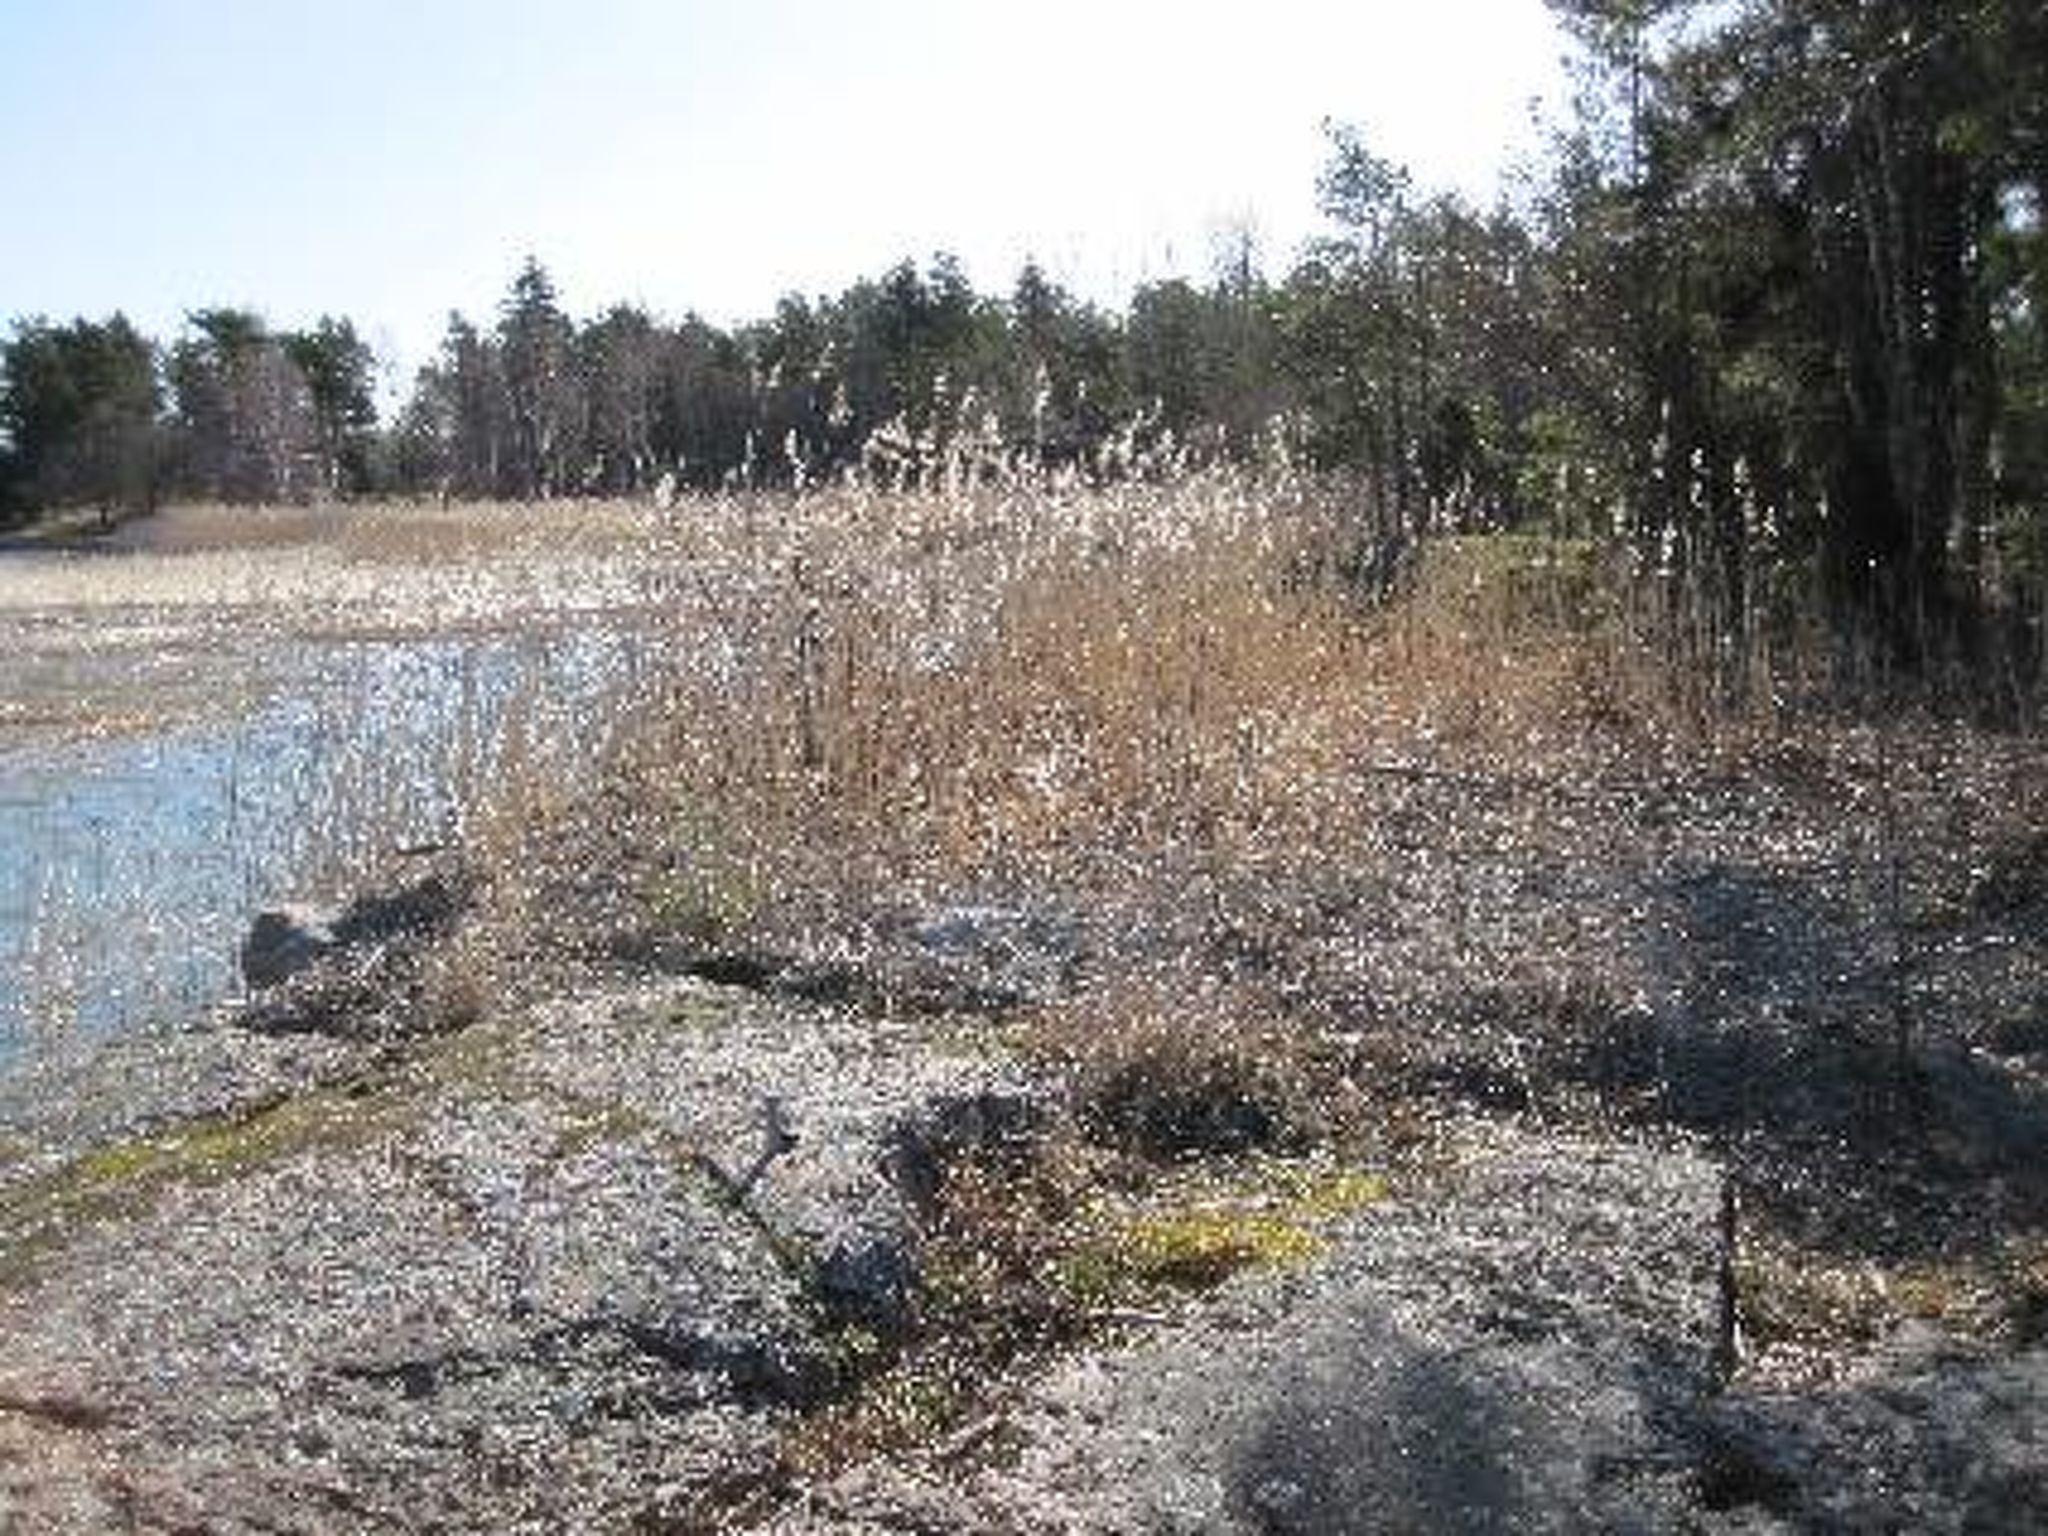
[(96, 414), (1391, 348), (1805, 243), (1774, 315)]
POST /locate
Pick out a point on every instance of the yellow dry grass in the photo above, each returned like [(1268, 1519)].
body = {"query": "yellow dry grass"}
[(881, 691)]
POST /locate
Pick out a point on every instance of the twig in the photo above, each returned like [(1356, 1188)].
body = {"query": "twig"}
[(1895, 916), (63, 1412), (1728, 1311), (778, 1137)]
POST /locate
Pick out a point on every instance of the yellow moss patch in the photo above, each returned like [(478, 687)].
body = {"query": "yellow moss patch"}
[(116, 1164), (1203, 1248), (126, 1176), (1269, 1214), (1324, 1194), (209, 1149)]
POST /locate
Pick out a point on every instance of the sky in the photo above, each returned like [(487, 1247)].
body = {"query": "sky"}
[(391, 160)]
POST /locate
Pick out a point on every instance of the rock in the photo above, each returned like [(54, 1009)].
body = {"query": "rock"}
[(1525, 1347), (989, 957), (869, 1281), (1928, 1440), (385, 1303), (284, 941), (416, 909), (958, 959), (1382, 1391)]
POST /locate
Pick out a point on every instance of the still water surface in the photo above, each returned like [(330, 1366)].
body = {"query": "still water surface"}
[(130, 867)]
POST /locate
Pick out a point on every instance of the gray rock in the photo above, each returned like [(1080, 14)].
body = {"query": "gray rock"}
[(289, 941), (993, 956), (495, 1284), (285, 941), (1929, 1440), (1525, 1347), (1504, 1352)]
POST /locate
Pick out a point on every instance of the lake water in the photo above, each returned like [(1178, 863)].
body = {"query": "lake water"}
[(130, 867)]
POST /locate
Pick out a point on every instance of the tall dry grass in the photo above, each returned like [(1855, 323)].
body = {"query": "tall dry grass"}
[(936, 692), (876, 697), (858, 696)]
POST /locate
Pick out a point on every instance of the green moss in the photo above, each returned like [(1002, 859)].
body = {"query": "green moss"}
[(1203, 1248), (1270, 1214), (1319, 1194), (125, 1177), (213, 1149), (208, 1149), (104, 1166)]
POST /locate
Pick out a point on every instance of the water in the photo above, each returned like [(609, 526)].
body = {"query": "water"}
[(130, 868)]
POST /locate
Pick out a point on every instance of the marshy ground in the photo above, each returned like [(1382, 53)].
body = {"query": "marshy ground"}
[(1269, 1034)]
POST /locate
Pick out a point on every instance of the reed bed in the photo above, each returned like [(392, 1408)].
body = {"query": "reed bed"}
[(921, 693), (867, 699)]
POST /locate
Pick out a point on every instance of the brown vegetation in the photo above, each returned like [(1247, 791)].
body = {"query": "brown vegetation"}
[(1331, 849), (1340, 858)]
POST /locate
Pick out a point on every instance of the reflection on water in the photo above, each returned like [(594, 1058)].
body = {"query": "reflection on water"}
[(129, 868)]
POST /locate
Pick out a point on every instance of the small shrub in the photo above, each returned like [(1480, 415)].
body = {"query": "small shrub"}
[(1173, 1080), (2026, 1274), (1819, 1306)]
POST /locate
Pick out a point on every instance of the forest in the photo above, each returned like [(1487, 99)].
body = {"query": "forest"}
[(1769, 314)]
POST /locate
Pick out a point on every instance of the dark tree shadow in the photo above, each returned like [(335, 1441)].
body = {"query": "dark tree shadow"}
[(1389, 1432), (1389, 1437), (1779, 1039)]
